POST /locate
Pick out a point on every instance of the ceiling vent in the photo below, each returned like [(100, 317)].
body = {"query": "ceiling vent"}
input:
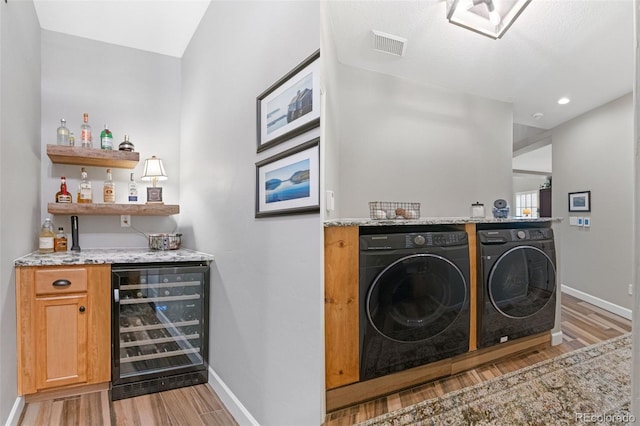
[(389, 43)]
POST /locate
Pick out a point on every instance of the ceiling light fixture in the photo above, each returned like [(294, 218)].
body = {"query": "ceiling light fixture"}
[(491, 18), (564, 101)]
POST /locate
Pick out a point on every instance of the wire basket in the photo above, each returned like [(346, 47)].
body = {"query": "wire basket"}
[(394, 210)]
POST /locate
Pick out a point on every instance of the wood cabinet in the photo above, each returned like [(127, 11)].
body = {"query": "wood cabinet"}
[(102, 158), (64, 331), (545, 202)]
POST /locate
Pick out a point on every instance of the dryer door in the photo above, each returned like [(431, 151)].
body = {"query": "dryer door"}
[(416, 298), (522, 282)]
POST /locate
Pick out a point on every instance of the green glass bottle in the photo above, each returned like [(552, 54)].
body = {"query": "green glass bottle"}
[(106, 139)]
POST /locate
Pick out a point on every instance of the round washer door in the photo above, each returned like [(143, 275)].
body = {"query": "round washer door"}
[(522, 282), (416, 298)]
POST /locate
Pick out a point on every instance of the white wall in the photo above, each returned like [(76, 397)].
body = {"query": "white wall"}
[(136, 93), (267, 292), (400, 141), (595, 152), (19, 171)]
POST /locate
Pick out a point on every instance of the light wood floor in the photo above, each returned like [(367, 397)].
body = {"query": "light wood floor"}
[(582, 325)]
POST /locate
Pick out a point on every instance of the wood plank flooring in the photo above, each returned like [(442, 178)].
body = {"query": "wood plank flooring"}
[(190, 406), (582, 324)]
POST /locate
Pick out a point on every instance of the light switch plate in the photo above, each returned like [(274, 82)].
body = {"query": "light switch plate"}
[(573, 221)]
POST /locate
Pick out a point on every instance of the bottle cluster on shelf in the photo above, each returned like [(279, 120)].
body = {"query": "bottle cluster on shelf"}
[(50, 241), (85, 190), (66, 137)]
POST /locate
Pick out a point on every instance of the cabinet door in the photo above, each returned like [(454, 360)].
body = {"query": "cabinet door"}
[(61, 336)]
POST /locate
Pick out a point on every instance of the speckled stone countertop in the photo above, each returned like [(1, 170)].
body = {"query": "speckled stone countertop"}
[(111, 255), (432, 221)]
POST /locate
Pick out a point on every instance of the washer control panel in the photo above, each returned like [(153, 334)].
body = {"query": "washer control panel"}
[(413, 240), (501, 236)]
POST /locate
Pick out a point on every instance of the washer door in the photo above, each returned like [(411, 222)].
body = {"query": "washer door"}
[(416, 298), (522, 282)]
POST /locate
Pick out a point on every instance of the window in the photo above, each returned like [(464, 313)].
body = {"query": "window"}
[(527, 204)]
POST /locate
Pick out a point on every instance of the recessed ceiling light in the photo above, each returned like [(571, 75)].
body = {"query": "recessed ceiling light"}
[(538, 115), (564, 101)]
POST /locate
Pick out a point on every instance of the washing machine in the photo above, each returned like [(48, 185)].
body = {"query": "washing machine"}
[(414, 298), (517, 269)]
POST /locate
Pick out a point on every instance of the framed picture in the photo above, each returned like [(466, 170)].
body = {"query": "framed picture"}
[(291, 106), (580, 201), (289, 182)]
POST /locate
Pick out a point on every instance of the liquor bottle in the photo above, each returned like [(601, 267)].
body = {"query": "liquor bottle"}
[(72, 139), (63, 196), (60, 240), (133, 190), (63, 133), (109, 189), (106, 139), (85, 194), (45, 244), (85, 132)]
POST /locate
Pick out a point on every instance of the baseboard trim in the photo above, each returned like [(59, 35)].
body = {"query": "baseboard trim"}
[(16, 412), (230, 401), (607, 306)]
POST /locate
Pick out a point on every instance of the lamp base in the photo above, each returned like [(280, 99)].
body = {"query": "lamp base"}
[(154, 195)]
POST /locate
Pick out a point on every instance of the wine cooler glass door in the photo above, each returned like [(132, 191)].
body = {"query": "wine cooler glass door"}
[(161, 316)]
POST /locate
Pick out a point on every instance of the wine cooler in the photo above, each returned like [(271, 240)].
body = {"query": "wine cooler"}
[(159, 330)]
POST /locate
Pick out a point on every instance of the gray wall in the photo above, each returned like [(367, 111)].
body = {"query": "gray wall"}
[(267, 291), (135, 93), (399, 141), (595, 152), (19, 170)]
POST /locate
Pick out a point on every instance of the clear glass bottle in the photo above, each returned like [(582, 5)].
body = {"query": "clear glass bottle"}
[(45, 243), (109, 189), (63, 133), (72, 139), (63, 196), (60, 240), (133, 190), (106, 139), (85, 132), (85, 194)]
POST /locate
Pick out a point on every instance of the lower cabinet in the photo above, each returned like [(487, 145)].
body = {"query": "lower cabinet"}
[(63, 319)]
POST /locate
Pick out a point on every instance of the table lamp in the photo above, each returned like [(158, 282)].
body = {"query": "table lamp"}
[(154, 171)]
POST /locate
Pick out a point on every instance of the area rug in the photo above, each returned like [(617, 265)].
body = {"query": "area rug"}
[(591, 385)]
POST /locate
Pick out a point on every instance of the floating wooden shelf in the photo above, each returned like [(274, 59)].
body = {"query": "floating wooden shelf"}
[(97, 209), (92, 157)]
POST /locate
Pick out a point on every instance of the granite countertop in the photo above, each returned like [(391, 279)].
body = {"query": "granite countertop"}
[(432, 221), (111, 255)]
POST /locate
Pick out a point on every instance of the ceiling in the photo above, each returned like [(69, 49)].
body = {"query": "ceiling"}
[(163, 27), (582, 49)]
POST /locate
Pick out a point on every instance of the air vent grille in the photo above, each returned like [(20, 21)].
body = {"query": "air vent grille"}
[(389, 43)]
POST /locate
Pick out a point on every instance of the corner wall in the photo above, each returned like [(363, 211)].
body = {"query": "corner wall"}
[(267, 341), (595, 152), (19, 173)]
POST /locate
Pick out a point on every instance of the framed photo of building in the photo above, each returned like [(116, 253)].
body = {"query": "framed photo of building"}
[(580, 201), (291, 106), (289, 182)]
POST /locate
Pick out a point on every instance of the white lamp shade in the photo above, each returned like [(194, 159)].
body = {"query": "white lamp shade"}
[(154, 169)]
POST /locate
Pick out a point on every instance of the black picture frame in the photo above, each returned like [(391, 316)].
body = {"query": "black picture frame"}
[(580, 201), (289, 182), (291, 106)]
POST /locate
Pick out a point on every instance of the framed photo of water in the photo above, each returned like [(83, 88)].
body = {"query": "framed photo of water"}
[(291, 106), (289, 182)]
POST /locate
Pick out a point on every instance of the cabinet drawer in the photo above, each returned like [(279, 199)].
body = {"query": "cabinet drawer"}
[(57, 281)]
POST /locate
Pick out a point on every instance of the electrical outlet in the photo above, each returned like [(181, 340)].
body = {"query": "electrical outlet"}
[(125, 220), (630, 289)]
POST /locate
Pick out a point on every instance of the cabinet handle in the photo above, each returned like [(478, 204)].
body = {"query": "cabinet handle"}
[(82, 308), (61, 283)]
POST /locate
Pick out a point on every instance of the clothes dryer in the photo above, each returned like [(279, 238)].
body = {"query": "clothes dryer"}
[(414, 298), (517, 272)]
